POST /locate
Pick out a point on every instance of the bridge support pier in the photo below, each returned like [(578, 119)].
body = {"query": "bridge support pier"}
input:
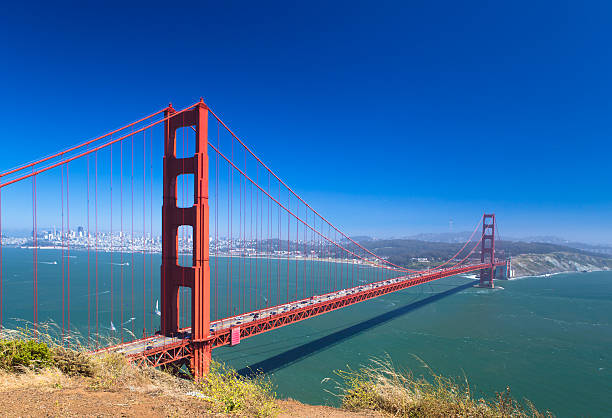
[(197, 276), (201, 358), (508, 269), (487, 251)]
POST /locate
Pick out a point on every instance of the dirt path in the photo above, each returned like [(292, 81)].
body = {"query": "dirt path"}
[(292, 408), (80, 401)]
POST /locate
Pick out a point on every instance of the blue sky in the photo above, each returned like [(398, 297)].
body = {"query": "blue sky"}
[(389, 117)]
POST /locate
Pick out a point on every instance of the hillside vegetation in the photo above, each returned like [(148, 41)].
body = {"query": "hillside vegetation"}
[(381, 387), (404, 251), (73, 382), (528, 258)]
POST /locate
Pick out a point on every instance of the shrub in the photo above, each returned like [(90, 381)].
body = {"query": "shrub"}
[(229, 392), (71, 362), (17, 355)]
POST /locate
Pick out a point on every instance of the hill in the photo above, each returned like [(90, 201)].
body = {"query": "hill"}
[(557, 262), (529, 257)]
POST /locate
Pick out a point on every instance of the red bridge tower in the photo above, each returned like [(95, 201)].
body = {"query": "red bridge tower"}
[(487, 250), (197, 276)]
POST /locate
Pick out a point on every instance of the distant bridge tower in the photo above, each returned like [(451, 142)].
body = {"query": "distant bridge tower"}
[(487, 250), (197, 276)]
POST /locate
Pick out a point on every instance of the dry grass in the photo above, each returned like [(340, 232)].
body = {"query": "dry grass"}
[(112, 371), (380, 386), (49, 378), (231, 393)]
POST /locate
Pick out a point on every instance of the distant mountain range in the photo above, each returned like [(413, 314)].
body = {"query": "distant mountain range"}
[(461, 237)]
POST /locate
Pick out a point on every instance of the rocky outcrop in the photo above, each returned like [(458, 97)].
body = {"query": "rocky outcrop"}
[(558, 262)]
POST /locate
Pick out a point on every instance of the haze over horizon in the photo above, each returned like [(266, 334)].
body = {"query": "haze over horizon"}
[(389, 120)]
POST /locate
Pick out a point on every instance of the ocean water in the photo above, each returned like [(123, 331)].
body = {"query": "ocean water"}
[(116, 295), (548, 338)]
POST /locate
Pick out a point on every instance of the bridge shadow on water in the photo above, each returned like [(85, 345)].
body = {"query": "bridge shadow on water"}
[(293, 355)]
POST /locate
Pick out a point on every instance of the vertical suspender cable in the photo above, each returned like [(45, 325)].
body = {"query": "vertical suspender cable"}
[(256, 301), (217, 226), (289, 247), (243, 252), (305, 256), (34, 255), (321, 269), (96, 251), (313, 269), (310, 249), (354, 272), (227, 264), (340, 261), (111, 239), (1, 274), (151, 227), (328, 266), (245, 286), (319, 250), (228, 302), (244, 240), (121, 229), (239, 239), (297, 249), (313, 247), (321, 266), (278, 261), (144, 234), (68, 253), (132, 232), (231, 233), (88, 264), (250, 260), (269, 236), (62, 243), (308, 270), (336, 261)]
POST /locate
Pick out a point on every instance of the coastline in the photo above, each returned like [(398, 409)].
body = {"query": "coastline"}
[(556, 273), (259, 256)]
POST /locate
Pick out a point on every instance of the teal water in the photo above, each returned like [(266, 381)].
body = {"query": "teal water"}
[(124, 290), (548, 338)]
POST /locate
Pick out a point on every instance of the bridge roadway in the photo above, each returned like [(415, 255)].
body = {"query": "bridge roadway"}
[(158, 349)]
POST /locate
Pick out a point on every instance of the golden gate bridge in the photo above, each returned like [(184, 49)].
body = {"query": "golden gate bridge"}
[(241, 252)]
